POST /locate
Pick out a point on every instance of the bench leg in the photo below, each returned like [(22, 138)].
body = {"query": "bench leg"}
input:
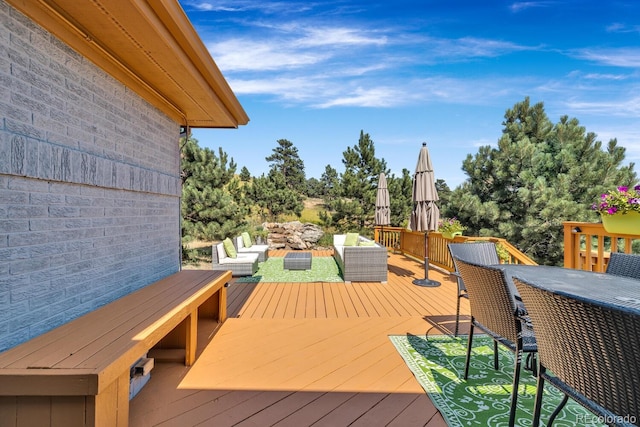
[(222, 303), (215, 307), (111, 407), (191, 343)]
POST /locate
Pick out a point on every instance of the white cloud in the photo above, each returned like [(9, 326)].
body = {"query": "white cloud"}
[(366, 97), (611, 107), (618, 27), (523, 5), (326, 91), (465, 48), (248, 55), (619, 57), (210, 7), (291, 47), (338, 37), (249, 5), (610, 77)]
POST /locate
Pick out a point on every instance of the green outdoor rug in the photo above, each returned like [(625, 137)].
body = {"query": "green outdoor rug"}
[(484, 399), (323, 269)]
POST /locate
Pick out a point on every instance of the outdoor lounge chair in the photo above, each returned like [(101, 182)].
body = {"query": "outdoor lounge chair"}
[(627, 265), (484, 253), (493, 310), (241, 265), (261, 250), (585, 345)]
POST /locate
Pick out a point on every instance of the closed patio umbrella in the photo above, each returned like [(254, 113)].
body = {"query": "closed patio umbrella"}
[(425, 215), (383, 212)]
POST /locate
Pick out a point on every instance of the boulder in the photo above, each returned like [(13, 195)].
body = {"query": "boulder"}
[(292, 235)]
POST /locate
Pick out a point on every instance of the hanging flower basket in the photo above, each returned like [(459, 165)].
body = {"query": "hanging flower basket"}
[(451, 234), (450, 227), (628, 223), (620, 210)]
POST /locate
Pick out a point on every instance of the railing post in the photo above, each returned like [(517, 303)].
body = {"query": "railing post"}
[(571, 245)]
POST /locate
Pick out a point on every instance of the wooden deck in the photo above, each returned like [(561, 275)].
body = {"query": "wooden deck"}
[(307, 354)]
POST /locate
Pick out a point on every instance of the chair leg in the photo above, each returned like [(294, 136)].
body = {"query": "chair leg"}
[(537, 407), (558, 409), (469, 344), (455, 334), (531, 364), (514, 392), (496, 366)]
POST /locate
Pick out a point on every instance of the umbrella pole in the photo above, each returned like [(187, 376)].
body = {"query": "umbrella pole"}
[(426, 282)]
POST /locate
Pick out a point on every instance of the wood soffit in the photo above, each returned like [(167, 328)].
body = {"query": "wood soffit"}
[(152, 48)]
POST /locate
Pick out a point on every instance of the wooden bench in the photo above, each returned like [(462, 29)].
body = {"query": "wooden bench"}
[(78, 374)]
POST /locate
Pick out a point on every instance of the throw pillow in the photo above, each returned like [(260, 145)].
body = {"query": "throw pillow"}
[(246, 240), (229, 248), (222, 254), (351, 239), (367, 243)]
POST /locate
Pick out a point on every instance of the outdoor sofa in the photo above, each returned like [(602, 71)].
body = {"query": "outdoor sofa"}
[(242, 264), (244, 245), (360, 259)]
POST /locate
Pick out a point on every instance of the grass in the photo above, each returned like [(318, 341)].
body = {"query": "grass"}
[(310, 213)]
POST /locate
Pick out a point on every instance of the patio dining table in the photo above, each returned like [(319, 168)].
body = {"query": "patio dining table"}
[(618, 291), (588, 335)]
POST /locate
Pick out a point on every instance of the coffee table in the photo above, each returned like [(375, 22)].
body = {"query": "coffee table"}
[(297, 261)]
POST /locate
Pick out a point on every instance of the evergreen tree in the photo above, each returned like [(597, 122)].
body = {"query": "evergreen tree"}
[(356, 208), (285, 160), (273, 197), (444, 194), (400, 198), (245, 175), (539, 176), (314, 188), (330, 181), (209, 193)]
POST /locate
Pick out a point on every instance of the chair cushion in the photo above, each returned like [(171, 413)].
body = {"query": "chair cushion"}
[(246, 258), (246, 240), (222, 254), (338, 239), (229, 248), (351, 239)]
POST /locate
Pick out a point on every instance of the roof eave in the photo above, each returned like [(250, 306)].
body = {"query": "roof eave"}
[(152, 48)]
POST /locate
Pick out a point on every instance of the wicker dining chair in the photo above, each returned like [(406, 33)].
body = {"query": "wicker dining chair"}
[(484, 253), (627, 265), (584, 350), (493, 310)]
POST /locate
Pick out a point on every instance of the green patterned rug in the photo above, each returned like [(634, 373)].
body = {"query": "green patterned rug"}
[(323, 269), (484, 399)]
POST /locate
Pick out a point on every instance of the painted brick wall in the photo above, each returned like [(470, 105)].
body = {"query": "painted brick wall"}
[(89, 185)]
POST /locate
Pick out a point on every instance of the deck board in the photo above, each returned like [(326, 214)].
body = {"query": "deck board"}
[(307, 354)]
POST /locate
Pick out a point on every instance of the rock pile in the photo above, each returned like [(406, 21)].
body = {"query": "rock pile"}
[(292, 235)]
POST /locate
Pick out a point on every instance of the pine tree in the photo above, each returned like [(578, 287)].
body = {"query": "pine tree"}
[(245, 175), (273, 197), (209, 193), (330, 184), (400, 198), (314, 188), (356, 207), (539, 176), (285, 160)]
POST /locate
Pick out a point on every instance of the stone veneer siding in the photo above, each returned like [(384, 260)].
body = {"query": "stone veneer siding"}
[(89, 185)]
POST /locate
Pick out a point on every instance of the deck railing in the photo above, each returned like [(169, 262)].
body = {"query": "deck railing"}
[(412, 244), (587, 245)]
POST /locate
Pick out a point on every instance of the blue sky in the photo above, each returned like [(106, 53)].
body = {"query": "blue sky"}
[(408, 71)]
